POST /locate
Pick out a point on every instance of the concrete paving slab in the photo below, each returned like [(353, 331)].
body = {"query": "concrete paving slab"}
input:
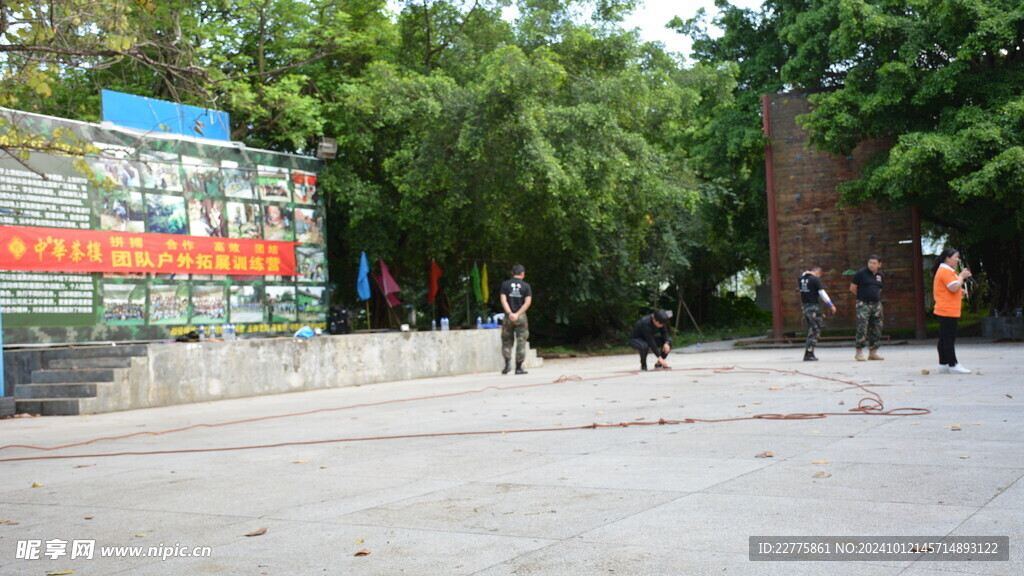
[(724, 522), (673, 499), (833, 480), (512, 510), (602, 559)]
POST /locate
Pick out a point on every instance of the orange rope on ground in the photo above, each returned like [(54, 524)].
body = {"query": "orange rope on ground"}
[(873, 406)]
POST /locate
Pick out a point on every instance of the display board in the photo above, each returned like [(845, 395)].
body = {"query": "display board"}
[(154, 236)]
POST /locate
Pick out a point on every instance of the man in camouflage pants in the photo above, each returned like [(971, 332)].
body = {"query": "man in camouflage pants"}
[(811, 291), (516, 297), (867, 286)]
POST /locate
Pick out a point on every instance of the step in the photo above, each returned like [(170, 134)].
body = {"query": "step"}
[(82, 363), (48, 406), (75, 390), (6, 406), (127, 350), (72, 376)]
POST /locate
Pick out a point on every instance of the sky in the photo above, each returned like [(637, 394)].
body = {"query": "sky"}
[(652, 15)]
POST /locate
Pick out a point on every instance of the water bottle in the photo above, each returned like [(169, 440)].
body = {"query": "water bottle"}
[(213, 332), (229, 332), (479, 323), (444, 324), (698, 346), (433, 325), (202, 332)]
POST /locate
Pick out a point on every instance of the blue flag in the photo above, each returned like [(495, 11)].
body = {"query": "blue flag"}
[(363, 281)]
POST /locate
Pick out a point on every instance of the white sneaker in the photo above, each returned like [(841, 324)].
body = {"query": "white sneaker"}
[(943, 369), (959, 369)]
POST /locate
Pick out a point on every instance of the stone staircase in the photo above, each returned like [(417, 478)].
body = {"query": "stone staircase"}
[(70, 379)]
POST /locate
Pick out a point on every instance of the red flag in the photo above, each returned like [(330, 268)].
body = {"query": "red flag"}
[(435, 273)]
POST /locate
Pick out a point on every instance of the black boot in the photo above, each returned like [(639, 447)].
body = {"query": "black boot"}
[(809, 356), (519, 368), (508, 366)]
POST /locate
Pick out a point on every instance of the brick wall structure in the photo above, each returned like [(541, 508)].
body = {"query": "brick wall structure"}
[(808, 227)]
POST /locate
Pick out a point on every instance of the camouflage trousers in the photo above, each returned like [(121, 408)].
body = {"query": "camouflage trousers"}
[(510, 333), (869, 324), (815, 321)]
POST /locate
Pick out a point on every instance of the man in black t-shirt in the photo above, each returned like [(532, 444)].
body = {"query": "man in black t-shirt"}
[(811, 291), (516, 298), (651, 335), (867, 286)]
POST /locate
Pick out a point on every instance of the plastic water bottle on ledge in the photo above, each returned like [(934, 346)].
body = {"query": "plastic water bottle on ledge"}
[(479, 323), (433, 325), (202, 332)]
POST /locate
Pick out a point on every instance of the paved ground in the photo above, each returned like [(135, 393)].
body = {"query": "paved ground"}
[(675, 499)]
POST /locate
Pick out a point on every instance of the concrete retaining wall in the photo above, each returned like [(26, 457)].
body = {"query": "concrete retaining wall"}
[(182, 373)]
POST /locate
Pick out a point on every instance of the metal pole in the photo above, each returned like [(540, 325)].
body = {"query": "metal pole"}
[(773, 231)]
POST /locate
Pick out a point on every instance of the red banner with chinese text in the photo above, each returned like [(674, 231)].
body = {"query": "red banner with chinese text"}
[(69, 250)]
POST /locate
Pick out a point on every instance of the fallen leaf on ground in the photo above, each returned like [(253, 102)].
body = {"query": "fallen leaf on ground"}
[(258, 532), (964, 457), (37, 485), (9, 522), (821, 475), (819, 461), (775, 387), (60, 573), (925, 372), (300, 461), (955, 427), (360, 541), (363, 552), (765, 454)]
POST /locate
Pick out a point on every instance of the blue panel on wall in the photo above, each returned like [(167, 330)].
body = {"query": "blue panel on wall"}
[(154, 115)]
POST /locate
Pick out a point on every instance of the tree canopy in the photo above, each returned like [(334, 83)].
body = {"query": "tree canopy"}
[(542, 132), (941, 79)]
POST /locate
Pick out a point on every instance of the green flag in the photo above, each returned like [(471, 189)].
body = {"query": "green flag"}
[(475, 278)]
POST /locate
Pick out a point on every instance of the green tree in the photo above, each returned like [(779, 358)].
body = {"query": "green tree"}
[(943, 83), (941, 79)]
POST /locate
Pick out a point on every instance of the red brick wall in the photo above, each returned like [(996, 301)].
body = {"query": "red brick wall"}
[(812, 229)]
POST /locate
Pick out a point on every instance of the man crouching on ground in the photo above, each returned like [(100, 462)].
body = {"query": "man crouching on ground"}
[(651, 334)]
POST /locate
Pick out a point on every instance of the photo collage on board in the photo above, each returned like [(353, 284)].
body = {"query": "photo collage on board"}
[(196, 195)]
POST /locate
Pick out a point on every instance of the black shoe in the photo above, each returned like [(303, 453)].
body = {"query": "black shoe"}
[(508, 367), (519, 368), (810, 357), (643, 367)]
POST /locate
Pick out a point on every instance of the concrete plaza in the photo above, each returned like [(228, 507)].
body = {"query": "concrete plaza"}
[(488, 498)]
